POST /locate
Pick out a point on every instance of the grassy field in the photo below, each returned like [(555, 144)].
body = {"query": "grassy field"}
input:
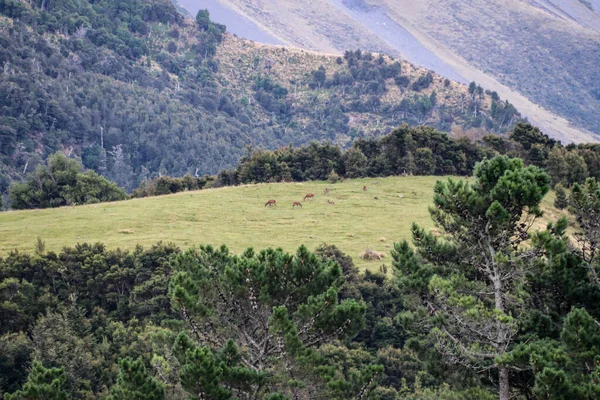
[(237, 217)]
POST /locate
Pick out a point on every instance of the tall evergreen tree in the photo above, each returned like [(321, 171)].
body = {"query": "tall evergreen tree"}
[(477, 266), (134, 383), (42, 383), (585, 205), (562, 200)]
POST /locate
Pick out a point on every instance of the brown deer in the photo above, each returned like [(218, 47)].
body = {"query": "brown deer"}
[(330, 202), (326, 191), (271, 203), (297, 203), (309, 196), (364, 188)]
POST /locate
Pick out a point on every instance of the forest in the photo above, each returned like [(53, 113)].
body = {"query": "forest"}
[(405, 151), (483, 308), (135, 90), (104, 98)]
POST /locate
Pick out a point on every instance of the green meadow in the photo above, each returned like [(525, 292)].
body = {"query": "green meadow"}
[(238, 218)]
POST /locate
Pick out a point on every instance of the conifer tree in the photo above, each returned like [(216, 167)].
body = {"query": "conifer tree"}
[(561, 201), (471, 280), (271, 304), (42, 383), (585, 205), (134, 383)]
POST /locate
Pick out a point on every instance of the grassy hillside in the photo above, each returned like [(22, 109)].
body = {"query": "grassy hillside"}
[(237, 217)]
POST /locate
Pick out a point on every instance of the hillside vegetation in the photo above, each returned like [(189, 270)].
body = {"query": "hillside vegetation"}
[(135, 90), (534, 53), (475, 303), (237, 216)]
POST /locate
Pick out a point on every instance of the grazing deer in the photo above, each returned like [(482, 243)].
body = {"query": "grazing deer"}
[(297, 203), (309, 196), (326, 191), (271, 203), (330, 202), (364, 188)]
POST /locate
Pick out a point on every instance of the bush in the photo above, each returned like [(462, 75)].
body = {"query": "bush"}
[(423, 82), (561, 201), (333, 177), (402, 81), (63, 183)]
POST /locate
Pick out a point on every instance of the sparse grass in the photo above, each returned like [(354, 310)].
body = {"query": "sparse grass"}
[(237, 217)]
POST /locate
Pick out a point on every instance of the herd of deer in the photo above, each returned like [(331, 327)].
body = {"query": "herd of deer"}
[(309, 195)]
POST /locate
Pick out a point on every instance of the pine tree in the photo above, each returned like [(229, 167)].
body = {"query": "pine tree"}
[(134, 383), (585, 205), (355, 163), (561, 201), (471, 279), (42, 383), (272, 304)]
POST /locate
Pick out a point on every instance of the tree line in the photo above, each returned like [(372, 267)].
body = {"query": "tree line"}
[(486, 308), (405, 151)]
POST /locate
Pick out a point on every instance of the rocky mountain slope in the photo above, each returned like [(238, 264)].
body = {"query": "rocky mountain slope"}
[(540, 54)]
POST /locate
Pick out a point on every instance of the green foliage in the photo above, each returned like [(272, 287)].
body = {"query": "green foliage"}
[(561, 201), (355, 163), (203, 19), (424, 161), (15, 353), (42, 383), (333, 177), (473, 295), (62, 183), (59, 343), (421, 150), (168, 185), (273, 305), (423, 82), (585, 205), (135, 383)]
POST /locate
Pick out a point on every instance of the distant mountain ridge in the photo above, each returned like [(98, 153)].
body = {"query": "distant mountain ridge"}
[(541, 55)]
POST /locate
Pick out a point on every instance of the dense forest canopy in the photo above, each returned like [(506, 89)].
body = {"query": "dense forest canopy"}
[(135, 90), (482, 308)]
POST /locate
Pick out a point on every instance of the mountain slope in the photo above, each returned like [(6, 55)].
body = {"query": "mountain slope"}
[(136, 90), (540, 55), (236, 23)]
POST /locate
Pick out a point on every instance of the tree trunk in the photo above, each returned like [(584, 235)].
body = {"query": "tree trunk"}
[(504, 383)]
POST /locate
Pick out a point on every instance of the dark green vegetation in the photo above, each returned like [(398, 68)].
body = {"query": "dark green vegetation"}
[(484, 309), (135, 90), (406, 150), (62, 183)]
